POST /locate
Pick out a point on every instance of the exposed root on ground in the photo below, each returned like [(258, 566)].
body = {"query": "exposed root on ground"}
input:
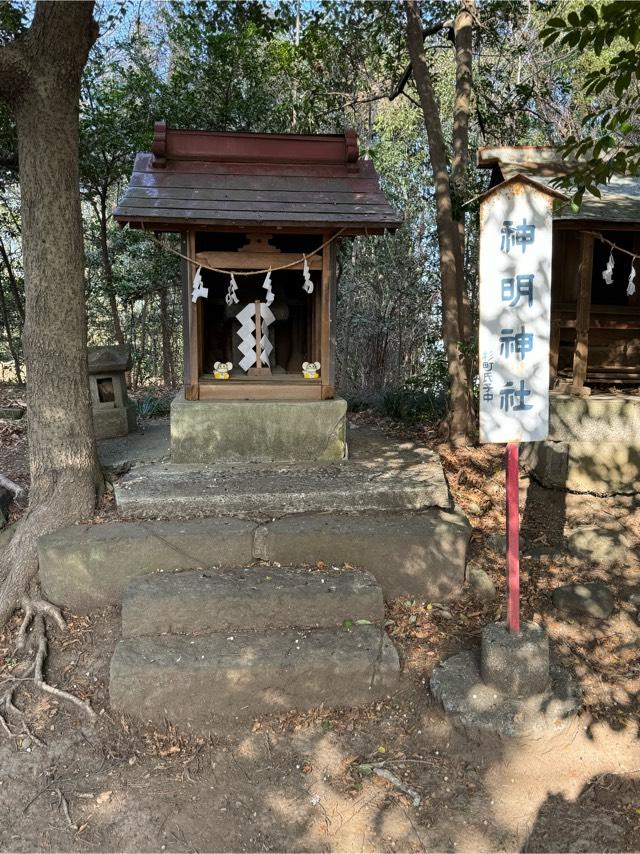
[(32, 638)]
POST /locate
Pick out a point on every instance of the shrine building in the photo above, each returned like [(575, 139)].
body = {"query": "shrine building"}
[(260, 217)]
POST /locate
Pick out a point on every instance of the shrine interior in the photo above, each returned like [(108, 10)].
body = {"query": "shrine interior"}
[(293, 332), (614, 316)]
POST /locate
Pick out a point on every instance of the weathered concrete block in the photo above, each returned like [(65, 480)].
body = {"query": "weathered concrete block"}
[(598, 418), (194, 681), (110, 423), (207, 431), (515, 664), (265, 491), (89, 566), (592, 598), (598, 467), (248, 598), (479, 708), (420, 554)]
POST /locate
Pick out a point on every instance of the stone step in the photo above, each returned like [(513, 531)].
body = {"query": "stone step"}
[(248, 598), (201, 680), (89, 566), (402, 480), (423, 554), (420, 554)]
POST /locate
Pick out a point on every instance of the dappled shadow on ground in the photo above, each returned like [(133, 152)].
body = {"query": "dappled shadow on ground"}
[(606, 808), (296, 782)]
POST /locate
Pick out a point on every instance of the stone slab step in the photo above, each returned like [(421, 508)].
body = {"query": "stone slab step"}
[(423, 554), (198, 681), (420, 554), (253, 598), (261, 491), (89, 566)]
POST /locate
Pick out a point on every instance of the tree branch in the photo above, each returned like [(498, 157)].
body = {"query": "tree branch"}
[(429, 31)]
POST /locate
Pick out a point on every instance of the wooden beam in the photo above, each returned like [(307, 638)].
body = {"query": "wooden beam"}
[(583, 311), (228, 390), (256, 260), (554, 351), (186, 298)]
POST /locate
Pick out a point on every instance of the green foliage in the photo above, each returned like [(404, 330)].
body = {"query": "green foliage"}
[(411, 404), (607, 143), (154, 404), (246, 66)]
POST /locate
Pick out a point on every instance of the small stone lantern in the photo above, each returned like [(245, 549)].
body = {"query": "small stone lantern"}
[(113, 413)]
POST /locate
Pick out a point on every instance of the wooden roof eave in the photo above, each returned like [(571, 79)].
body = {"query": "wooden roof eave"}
[(348, 229), (589, 224)]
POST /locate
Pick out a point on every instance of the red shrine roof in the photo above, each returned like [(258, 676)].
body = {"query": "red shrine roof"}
[(201, 178)]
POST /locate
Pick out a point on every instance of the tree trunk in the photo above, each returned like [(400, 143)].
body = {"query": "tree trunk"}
[(463, 36), (142, 352), (40, 78), (167, 356), (461, 410), (107, 268)]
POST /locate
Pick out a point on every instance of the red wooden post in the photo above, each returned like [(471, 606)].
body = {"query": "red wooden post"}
[(513, 537)]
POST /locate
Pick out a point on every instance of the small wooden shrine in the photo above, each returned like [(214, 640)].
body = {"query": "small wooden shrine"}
[(595, 304), (271, 205)]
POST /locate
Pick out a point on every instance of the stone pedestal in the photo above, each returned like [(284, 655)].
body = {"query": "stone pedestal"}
[(515, 664), (592, 445), (208, 431), (508, 687)]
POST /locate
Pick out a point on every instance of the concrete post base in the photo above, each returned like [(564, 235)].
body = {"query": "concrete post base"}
[(508, 687), (515, 664), (228, 431)]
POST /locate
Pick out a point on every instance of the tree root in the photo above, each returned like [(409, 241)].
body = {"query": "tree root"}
[(14, 489), (32, 635)]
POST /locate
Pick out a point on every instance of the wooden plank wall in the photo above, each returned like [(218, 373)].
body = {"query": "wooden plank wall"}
[(612, 338)]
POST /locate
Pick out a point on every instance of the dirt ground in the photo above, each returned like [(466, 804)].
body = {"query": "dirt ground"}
[(310, 782)]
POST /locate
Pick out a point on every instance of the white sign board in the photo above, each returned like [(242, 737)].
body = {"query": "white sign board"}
[(515, 312)]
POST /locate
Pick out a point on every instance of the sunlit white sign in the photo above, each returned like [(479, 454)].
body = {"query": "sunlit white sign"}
[(515, 312)]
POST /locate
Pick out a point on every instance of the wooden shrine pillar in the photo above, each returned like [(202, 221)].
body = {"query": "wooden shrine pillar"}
[(554, 351), (328, 320), (583, 315), (191, 343)]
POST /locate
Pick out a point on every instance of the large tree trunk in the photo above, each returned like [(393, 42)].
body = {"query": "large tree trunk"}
[(461, 410), (463, 38), (40, 78)]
